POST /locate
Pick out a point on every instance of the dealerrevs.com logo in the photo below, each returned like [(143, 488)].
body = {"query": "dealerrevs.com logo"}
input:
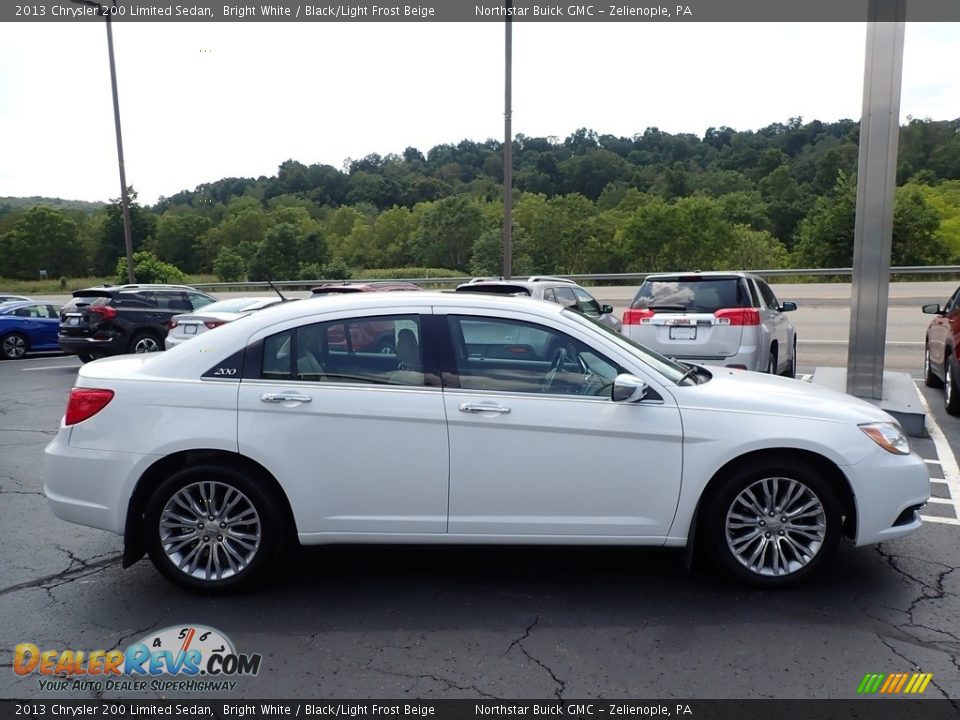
[(179, 658)]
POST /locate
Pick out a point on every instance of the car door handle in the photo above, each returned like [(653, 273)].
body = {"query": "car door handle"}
[(284, 397), (483, 407)]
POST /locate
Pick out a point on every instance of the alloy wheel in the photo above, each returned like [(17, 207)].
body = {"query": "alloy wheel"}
[(14, 347), (210, 530), (775, 526), (146, 344)]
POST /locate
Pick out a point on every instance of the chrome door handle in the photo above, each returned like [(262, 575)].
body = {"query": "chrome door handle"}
[(284, 397), (483, 407)]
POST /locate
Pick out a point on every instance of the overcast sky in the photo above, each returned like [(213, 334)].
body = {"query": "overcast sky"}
[(200, 102)]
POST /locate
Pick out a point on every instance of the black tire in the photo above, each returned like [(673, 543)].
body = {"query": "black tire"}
[(951, 385), (775, 539), (791, 369), (14, 346), (772, 362), (145, 342), (930, 378), (180, 550), (85, 358)]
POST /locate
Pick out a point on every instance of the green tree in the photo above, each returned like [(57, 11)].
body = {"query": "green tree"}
[(275, 257), (148, 269), (42, 239), (177, 239), (111, 242), (447, 232), (229, 265)]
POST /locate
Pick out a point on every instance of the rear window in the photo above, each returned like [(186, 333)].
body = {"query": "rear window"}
[(80, 301), (691, 294)]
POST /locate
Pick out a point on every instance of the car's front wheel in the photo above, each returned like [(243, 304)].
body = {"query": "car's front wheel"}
[(13, 346), (211, 528), (773, 523)]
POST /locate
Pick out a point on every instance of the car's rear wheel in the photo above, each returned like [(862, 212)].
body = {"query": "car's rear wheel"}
[(773, 523), (772, 362), (211, 528), (930, 378), (145, 343), (13, 346), (791, 369), (951, 385)]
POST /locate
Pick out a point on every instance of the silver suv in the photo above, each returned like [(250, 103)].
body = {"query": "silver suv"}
[(716, 318), (553, 289)]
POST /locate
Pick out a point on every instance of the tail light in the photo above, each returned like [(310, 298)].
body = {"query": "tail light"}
[(635, 316), (738, 316), (84, 403), (107, 312), (211, 324), (171, 324)]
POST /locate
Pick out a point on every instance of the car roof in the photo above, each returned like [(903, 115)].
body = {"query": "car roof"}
[(351, 287), (13, 304), (108, 290), (700, 274), (232, 337)]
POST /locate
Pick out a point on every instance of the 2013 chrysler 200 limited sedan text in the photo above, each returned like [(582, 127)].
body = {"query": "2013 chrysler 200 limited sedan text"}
[(509, 421)]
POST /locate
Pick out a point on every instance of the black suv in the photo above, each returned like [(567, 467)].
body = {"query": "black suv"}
[(113, 320)]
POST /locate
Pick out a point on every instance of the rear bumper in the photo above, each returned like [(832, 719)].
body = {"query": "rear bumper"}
[(78, 345), (89, 487)]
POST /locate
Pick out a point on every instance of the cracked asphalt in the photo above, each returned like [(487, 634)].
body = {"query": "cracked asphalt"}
[(427, 622)]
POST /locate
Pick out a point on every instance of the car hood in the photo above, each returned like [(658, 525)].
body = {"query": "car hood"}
[(745, 391)]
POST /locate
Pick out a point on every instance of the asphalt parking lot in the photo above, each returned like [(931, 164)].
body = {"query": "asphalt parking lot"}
[(405, 622)]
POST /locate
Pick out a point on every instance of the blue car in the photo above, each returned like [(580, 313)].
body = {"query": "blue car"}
[(26, 327)]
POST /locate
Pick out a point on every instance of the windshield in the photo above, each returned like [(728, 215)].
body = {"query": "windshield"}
[(670, 369)]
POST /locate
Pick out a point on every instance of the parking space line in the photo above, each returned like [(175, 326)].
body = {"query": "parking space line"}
[(940, 501), (46, 367), (933, 462), (948, 463)]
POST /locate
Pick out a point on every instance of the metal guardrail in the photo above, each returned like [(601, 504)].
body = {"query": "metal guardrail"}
[(430, 282)]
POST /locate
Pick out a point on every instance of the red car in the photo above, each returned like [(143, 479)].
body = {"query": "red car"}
[(941, 354), (368, 336)]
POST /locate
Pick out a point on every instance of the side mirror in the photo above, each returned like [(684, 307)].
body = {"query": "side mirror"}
[(628, 388), (932, 309), (606, 309), (788, 307)]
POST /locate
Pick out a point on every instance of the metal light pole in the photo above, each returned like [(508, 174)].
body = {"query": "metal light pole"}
[(124, 199), (508, 154)]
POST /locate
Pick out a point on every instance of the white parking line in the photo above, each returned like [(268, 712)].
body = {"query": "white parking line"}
[(47, 367), (948, 462)]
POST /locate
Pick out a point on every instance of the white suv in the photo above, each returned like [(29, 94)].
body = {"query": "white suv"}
[(717, 318)]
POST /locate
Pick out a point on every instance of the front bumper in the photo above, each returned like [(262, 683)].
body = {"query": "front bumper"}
[(885, 488)]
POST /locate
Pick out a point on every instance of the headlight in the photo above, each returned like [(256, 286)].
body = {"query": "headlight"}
[(889, 436)]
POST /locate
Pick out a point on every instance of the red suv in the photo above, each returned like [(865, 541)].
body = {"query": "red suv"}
[(941, 363)]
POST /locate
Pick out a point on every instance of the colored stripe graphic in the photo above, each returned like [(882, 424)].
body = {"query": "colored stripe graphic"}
[(906, 683)]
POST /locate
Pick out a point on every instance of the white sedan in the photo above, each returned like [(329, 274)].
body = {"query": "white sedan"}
[(187, 326), (495, 420)]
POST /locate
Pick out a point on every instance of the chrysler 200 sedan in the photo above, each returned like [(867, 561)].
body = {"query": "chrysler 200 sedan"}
[(511, 421)]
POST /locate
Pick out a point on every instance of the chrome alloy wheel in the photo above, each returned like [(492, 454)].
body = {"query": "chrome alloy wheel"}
[(210, 530), (146, 344), (775, 526), (14, 347)]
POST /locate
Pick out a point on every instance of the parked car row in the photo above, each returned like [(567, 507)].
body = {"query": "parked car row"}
[(730, 319)]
